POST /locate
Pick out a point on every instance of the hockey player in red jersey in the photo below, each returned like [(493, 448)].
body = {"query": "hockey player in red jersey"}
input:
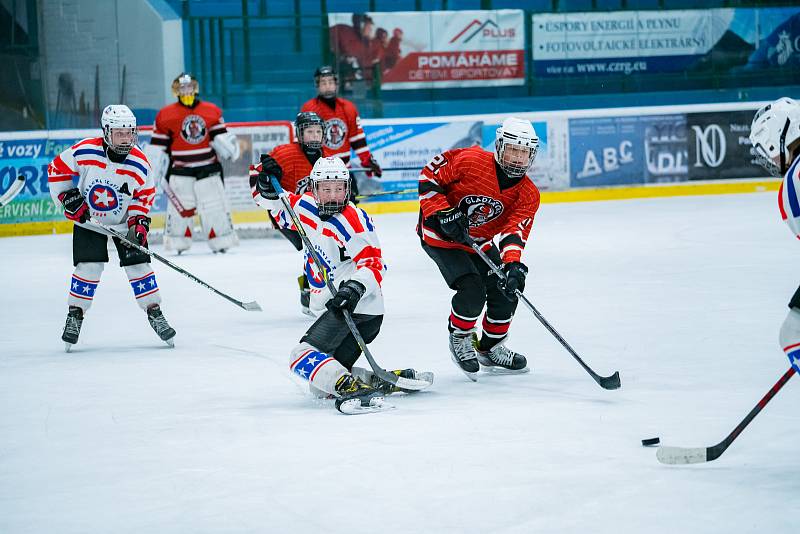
[(775, 135), (344, 237), (471, 193), (107, 179), (342, 124), (189, 139), (291, 164)]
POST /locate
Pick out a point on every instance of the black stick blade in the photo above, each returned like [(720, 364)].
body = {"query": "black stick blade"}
[(609, 382)]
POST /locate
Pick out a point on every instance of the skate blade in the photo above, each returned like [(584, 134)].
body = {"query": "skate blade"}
[(471, 376), (354, 407), (68, 347), (499, 370), (307, 312), (170, 342)]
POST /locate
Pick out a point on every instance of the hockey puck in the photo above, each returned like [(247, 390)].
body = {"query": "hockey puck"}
[(650, 442)]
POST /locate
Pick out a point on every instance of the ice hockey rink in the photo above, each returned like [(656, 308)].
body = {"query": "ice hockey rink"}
[(684, 296)]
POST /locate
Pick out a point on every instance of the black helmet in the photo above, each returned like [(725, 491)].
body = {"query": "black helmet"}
[(324, 70), (303, 120)]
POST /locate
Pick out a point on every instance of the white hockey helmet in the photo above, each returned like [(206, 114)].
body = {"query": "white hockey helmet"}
[(330, 185), (119, 117), (774, 132), (518, 132)]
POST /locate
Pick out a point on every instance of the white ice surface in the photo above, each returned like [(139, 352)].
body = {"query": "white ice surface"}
[(684, 296)]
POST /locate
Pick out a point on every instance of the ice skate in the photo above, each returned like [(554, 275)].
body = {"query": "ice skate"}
[(160, 325), (358, 397), (388, 388), (72, 328), (500, 359), (463, 353)]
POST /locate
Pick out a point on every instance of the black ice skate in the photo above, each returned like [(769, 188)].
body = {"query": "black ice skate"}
[(160, 324), (463, 353), (358, 397), (501, 359), (305, 295), (72, 328), (387, 388)]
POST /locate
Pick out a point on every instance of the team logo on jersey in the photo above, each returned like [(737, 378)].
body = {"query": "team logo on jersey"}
[(335, 133), (480, 209), (315, 277), (103, 198), (193, 129)]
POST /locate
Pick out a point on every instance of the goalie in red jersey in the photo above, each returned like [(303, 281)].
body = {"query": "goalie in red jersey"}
[(472, 193)]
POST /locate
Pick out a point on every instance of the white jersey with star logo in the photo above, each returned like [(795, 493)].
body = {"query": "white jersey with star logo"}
[(113, 191)]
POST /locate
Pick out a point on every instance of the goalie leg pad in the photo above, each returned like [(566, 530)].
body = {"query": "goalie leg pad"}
[(320, 369), (144, 285), (178, 231), (214, 213), (83, 284)]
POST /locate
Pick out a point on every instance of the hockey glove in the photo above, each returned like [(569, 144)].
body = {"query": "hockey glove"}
[(452, 224), (515, 279), (350, 292), (270, 166), (265, 188), (372, 167), (138, 227), (75, 207), (790, 337)]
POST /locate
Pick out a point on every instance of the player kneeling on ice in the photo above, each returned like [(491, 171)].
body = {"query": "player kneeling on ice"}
[(344, 239), (470, 196), (775, 135), (107, 179)]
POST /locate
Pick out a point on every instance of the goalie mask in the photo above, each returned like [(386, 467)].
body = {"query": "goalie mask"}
[(185, 88), (515, 146), (119, 128), (775, 133), (326, 80), (330, 185), (309, 129)]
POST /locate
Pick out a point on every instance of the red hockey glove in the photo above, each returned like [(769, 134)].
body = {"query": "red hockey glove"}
[(75, 207), (138, 226)]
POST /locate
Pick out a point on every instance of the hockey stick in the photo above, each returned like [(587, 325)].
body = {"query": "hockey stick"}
[(13, 191), (687, 455), (606, 382), (176, 202), (98, 226), (380, 372), (382, 193)]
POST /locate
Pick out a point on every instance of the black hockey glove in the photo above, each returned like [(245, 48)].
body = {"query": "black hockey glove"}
[(354, 190), (515, 279), (265, 188), (75, 207), (350, 292), (452, 224), (270, 166), (138, 227)]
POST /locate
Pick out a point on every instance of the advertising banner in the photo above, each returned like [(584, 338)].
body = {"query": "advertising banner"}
[(719, 146), (634, 149), (430, 48), (634, 42)]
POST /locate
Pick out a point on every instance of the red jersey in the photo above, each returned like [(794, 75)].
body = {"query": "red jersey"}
[(466, 178), (294, 164), (185, 133), (342, 129)]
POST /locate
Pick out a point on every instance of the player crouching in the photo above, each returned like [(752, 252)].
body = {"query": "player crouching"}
[(344, 239), (469, 196), (107, 179)]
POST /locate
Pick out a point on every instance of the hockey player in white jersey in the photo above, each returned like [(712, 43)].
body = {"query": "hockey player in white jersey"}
[(344, 238), (775, 135), (107, 179)]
